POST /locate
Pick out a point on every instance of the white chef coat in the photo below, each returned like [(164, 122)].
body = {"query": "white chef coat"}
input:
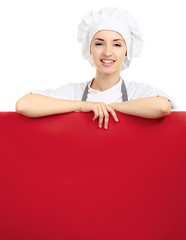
[(74, 91)]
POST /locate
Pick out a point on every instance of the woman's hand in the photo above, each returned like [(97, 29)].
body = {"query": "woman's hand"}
[(101, 111)]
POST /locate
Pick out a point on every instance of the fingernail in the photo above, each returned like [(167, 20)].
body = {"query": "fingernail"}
[(106, 127)]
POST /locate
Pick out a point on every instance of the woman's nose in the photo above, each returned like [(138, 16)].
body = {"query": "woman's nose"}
[(107, 51)]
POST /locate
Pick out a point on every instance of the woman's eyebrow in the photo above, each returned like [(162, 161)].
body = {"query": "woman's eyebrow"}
[(100, 39), (118, 40)]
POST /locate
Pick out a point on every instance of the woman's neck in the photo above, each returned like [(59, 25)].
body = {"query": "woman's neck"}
[(102, 82)]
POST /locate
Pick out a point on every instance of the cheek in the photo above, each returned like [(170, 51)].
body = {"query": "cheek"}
[(124, 54), (93, 50), (121, 56), (95, 53)]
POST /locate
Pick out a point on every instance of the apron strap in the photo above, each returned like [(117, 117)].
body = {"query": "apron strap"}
[(123, 90), (84, 97)]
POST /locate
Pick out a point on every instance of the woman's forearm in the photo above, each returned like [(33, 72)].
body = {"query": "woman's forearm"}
[(150, 107), (37, 105)]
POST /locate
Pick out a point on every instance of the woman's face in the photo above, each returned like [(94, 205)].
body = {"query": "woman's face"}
[(108, 51)]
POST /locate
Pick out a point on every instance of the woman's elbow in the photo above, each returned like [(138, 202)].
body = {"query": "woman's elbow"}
[(19, 107), (21, 104), (165, 107)]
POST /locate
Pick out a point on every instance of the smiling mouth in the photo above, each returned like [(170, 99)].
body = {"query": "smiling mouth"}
[(107, 61)]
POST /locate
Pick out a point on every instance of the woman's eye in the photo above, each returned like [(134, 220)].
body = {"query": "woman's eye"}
[(118, 45)]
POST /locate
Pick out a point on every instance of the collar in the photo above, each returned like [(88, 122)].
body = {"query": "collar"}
[(117, 85)]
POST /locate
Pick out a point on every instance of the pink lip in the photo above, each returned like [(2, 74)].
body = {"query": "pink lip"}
[(107, 64), (108, 59)]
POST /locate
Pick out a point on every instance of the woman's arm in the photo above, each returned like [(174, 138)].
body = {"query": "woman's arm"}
[(38, 105), (149, 107)]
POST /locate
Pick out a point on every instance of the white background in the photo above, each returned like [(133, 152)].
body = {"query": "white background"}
[(39, 47)]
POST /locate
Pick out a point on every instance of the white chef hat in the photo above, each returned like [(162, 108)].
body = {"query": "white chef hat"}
[(110, 19)]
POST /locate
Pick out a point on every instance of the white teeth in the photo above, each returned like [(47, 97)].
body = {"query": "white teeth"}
[(107, 61)]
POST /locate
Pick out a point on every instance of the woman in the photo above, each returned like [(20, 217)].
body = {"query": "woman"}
[(110, 39)]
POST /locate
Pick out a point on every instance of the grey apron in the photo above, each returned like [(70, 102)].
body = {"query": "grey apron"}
[(123, 90)]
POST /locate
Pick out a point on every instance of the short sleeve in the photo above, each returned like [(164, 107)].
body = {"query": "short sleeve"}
[(141, 90), (69, 91), (66, 92)]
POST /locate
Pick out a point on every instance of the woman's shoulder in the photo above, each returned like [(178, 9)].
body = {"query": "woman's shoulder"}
[(69, 91), (137, 90), (137, 85), (141, 89), (73, 86)]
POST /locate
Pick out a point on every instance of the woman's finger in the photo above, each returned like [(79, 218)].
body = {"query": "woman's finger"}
[(106, 116), (100, 116), (111, 110), (96, 114)]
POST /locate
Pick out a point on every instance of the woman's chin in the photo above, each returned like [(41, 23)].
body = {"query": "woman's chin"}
[(108, 71)]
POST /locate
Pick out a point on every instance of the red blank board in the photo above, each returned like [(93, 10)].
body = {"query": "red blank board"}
[(61, 177)]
